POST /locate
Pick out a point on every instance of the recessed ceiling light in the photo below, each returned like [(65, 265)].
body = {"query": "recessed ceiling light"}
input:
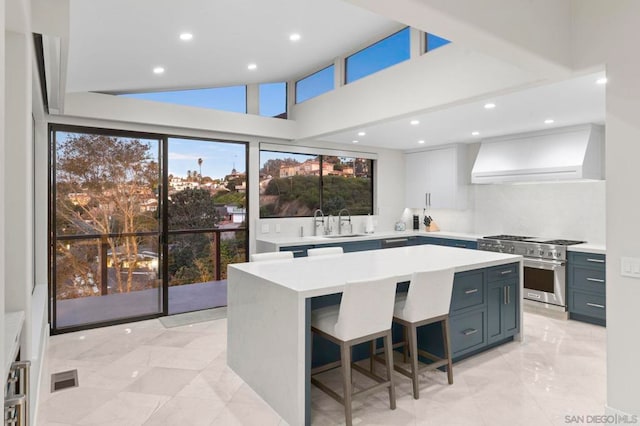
[(475, 133), (420, 141), (414, 122), (186, 36), (252, 67), (602, 80), (548, 121), (490, 105), (355, 141), (294, 37), (158, 70), (361, 134)]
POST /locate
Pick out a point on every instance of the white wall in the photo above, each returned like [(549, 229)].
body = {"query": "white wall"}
[(2, 165)]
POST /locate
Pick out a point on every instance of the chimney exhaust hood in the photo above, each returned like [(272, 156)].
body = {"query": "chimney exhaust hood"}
[(569, 153)]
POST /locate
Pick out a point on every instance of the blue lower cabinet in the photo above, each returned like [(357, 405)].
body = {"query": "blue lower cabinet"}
[(586, 283), (502, 310), (298, 251), (467, 332), (449, 242), (358, 245)]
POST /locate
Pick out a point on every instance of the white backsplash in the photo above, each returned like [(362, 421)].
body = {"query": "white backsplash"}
[(573, 210)]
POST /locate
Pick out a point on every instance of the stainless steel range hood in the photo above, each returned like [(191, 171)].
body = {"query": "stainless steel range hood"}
[(569, 153)]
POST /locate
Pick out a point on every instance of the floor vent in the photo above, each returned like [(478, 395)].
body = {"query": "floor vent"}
[(64, 380)]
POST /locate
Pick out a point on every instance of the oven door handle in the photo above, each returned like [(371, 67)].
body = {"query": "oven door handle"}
[(543, 264)]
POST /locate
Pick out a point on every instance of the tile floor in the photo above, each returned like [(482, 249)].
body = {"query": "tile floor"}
[(145, 374)]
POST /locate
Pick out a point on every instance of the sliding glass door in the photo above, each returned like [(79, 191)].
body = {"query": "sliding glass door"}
[(105, 258), (142, 225), (206, 211)]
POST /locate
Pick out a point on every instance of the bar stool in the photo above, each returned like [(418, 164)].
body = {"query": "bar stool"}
[(364, 314), (259, 257), (321, 251), (426, 302)]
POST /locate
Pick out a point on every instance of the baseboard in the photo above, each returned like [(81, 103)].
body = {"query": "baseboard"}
[(39, 343)]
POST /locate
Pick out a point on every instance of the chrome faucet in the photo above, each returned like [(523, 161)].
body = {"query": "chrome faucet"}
[(316, 220), (340, 219)]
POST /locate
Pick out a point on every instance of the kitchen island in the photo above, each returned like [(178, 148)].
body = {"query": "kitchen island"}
[(269, 305)]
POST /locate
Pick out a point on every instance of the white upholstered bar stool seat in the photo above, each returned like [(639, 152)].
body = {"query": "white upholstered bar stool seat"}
[(427, 301), (321, 251), (259, 257), (364, 314)]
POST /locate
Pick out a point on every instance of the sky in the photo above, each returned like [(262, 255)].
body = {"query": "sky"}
[(218, 158)]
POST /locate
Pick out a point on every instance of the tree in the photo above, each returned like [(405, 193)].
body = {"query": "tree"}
[(101, 184), (192, 209), (200, 161)]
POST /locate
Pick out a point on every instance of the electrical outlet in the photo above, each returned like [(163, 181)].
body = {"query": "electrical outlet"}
[(265, 228)]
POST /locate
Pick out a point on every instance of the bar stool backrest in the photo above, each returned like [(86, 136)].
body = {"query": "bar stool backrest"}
[(259, 257), (320, 251), (429, 294), (366, 308)]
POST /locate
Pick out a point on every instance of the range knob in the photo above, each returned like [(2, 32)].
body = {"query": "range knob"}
[(530, 251), (541, 252)]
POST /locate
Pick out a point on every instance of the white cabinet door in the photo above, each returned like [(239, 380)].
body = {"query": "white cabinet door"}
[(433, 176), (442, 182), (416, 179)]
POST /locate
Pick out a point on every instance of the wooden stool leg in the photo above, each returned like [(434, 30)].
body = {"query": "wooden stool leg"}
[(345, 350), (405, 340), (413, 349), (388, 352), (447, 349), (372, 360)]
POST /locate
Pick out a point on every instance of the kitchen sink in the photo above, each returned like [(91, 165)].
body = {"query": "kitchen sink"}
[(343, 236)]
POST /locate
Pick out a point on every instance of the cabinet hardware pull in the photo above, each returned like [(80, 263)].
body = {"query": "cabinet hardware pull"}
[(504, 295), (470, 331), (297, 251), (461, 245), (397, 240), (595, 305), (473, 290), (595, 260), (508, 271), (508, 294), (596, 280)]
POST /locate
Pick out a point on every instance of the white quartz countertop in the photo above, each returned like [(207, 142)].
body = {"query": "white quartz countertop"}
[(280, 241), (318, 275), (588, 248)]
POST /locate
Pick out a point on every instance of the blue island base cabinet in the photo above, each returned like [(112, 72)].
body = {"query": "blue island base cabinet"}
[(484, 312)]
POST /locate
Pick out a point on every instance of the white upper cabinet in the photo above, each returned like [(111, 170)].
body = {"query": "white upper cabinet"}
[(437, 178)]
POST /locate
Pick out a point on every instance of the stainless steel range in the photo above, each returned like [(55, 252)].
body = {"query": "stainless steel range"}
[(545, 263)]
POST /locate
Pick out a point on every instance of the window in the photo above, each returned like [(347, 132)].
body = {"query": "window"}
[(383, 54), (314, 85), (433, 42), (295, 185), (273, 99), (233, 98)]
